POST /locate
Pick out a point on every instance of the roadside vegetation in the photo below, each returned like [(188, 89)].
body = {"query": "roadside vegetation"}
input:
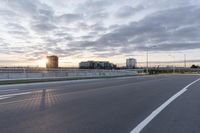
[(176, 70)]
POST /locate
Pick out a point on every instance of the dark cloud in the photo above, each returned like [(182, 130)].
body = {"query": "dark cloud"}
[(176, 46), (87, 37), (94, 6), (29, 8), (68, 18), (39, 15), (43, 27), (60, 34), (25, 6), (173, 29), (127, 11), (98, 27), (99, 15), (83, 26)]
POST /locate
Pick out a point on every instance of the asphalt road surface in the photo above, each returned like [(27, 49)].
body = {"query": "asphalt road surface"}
[(146, 104)]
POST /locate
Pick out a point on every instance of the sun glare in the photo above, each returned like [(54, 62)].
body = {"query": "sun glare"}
[(42, 62)]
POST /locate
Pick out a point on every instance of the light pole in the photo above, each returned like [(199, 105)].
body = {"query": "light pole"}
[(185, 60), (173, 63), (24, 69), (147, 57)]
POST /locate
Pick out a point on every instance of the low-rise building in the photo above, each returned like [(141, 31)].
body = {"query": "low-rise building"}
[(96, 65)]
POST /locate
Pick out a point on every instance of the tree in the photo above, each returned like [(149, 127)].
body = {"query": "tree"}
[(195, 66)]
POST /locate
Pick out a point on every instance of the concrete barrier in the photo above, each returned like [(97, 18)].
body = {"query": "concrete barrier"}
[(65, 73)]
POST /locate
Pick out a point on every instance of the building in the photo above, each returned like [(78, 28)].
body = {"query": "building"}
[(131, 63), (52, 61), (86, 65), (96, 65)]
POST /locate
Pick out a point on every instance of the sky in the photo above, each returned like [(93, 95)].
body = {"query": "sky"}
[(110, 30)]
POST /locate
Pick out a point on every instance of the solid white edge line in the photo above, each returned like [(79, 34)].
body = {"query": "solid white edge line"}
[(141, 125), (8, 90), (1, 98), (15, 94)]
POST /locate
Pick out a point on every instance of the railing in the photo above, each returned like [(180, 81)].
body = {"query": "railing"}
[(26, 73)]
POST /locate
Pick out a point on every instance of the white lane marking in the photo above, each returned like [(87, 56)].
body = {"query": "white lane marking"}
[(141, 125), (8, 90), (1, 98), (11, 95)]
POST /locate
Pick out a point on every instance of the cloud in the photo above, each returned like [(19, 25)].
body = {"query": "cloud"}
[(127, 11), (6, 13), (106, 54), (43, 27), (176, 46), (23, 5), (173, 29), (16, 29), (94, 6), (100, 28), (15, 26), (99, 15), (4, 47), (29, 8), (68, 18)]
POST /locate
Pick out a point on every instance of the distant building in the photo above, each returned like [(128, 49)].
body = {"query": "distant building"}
[(96, 65), (52, 61), (131, 63)]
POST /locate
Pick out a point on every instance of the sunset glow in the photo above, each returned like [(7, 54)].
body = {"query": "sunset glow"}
[(97, 30)]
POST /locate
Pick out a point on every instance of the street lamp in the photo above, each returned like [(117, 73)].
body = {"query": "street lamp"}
[(147, 57), (173, 62), (185, 65), (147, 68)]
